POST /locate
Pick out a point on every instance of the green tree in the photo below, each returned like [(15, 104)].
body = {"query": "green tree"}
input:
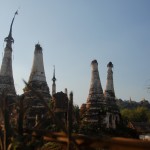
[(139, 114)]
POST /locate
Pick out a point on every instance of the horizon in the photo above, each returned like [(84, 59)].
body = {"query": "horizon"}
[(72, 34)]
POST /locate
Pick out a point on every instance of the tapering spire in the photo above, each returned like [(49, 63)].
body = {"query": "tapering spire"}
[(37, 79), (96, 91), (10, 39), (54, 79), (54, 84), (6, 72), (95, 98), (37, 72), (109, 91)]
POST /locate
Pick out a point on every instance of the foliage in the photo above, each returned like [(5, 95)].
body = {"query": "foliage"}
[(139, 114), (130, 104)]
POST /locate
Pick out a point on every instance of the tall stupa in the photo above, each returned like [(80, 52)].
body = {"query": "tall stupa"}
[(95, 98), (37, 81), (113, 114), (109, 91), (6, 72)]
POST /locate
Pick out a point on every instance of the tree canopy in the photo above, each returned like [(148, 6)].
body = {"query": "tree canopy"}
[(139, 114)]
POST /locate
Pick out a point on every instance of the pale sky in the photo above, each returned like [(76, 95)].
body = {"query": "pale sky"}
[(74, 32)]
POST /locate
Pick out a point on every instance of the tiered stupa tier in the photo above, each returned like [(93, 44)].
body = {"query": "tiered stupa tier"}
[(6, 72), (37, 81), (95, 98)]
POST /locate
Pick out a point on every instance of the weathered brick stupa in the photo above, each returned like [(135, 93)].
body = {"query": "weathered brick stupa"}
[(95, 100), (6, 72), (100, 109), (113, 113), (37, 81), (6, 79)]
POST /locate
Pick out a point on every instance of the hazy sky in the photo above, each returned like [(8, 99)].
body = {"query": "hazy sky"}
[(74, 32)]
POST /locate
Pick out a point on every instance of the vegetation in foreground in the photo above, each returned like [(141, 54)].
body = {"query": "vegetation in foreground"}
[(18, 138)]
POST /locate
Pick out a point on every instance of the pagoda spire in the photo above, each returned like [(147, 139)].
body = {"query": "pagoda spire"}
[(95, 98), (54, 84), (109, 91), (6, 72), (37, 72), (95, 86), (10, 39), (37, 79)]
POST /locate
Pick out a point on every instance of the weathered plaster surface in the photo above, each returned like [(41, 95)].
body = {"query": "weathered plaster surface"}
[(6, 73), (96, 91), (37, 72), (109, 91)]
